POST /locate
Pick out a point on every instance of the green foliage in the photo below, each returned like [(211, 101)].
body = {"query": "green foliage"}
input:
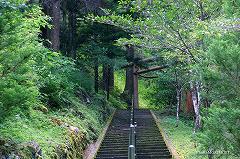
[(43, 92), (222, 72), (19, 45), (99, 45), (165, 97), (161, 26), (231, 8), (221, 131), (60, 79)]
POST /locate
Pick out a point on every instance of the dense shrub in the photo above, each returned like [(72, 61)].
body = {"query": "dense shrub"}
[(29, 72), (221, 77), (221, 132), (19, 47)]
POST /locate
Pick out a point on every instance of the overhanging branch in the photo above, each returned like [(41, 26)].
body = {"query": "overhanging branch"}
[(144, 76), (155, 68), (141, 61)]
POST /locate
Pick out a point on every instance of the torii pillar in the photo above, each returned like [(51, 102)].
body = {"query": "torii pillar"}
[(135, 88)]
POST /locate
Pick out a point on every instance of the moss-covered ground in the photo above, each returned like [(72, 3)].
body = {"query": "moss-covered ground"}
[(58, 132)]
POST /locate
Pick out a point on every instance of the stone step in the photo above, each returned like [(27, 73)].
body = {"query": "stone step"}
[(149, 142), (139, 152)]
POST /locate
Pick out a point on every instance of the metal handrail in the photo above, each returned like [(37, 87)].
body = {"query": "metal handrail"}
[(132, 136)]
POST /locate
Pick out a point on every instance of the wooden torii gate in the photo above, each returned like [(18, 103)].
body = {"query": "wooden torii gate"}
[(138, 72)]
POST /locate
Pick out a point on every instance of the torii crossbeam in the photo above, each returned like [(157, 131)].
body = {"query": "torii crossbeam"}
[(136, 73)]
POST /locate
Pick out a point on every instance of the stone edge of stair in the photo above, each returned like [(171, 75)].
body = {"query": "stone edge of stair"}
[(90, 154), (169, 144)]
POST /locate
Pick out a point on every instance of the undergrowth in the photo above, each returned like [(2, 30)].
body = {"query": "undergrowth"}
[(181, 137), (52, 129)]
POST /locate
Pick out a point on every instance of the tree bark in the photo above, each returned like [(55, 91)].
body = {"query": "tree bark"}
[(72, 18), (129, 70), (189, 105), (196, 104), (135, 88), (55, 30), (111, 77), (128, 90), (179, 97), (129, 81), (52, 8), (178, 105), (106, 77)]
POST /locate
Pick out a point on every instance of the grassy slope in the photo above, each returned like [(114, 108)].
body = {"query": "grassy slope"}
[(50, 129), (181, 136), (45, 130)]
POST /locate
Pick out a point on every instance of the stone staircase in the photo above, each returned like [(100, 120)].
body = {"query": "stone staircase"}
[(149, 142)]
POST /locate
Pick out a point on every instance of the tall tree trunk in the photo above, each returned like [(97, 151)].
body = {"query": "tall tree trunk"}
[(129, 81), (189, 105), (64, 44), (179, 102), (135, 88), (196, 104), (128, 90), (179, 96), (195, 93), (106, 79), (207, 101), (96, 75), (72, 18), (111, 77), (55, 30)]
